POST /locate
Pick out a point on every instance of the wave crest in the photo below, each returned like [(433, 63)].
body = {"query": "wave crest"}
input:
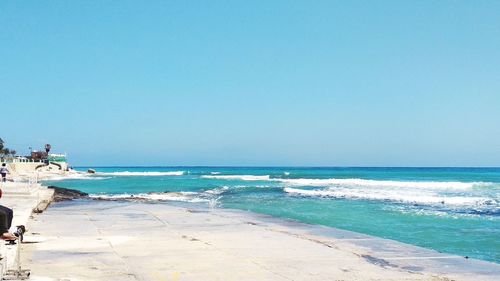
[(383, 183), (414, 197), (154, 196), (143, 174), (77, 176), (237, 177)]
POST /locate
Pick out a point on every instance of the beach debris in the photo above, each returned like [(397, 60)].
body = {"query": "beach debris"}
[(42, 206)]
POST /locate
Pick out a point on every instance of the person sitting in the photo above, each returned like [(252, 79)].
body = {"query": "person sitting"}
[(6, 216), (9, 213), (5, 223)]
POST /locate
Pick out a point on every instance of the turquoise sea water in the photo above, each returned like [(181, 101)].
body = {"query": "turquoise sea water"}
[(452, 210)]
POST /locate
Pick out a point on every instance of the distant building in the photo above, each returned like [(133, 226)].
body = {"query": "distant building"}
[(57, 158), (39, 155), (38, 161)]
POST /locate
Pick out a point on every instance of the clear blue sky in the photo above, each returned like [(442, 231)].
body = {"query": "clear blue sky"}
[(356, 83)]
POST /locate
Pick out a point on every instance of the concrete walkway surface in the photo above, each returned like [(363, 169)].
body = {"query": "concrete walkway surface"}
[(113, 241)]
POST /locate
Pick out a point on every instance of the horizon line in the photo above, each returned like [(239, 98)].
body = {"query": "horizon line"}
[(277, 166)]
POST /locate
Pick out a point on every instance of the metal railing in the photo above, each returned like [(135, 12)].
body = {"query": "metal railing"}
[(19, 160)]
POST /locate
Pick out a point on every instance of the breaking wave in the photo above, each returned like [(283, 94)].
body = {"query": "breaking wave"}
[(401, 195), (218, 190), (78, 176), (192, 197), (353, 182), (206, 196), (383, 183), (143, 174), (237, 177)]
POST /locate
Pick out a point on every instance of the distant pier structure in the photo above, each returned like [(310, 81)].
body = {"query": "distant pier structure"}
[(39, 160)]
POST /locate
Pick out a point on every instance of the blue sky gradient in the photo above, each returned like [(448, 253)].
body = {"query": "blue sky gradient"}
[(321, 83)]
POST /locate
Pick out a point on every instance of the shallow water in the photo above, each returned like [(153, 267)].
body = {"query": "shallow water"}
[(453, 210)]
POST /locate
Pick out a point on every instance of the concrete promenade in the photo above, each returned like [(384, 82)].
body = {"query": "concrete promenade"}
[(102, 240), (23, 198)]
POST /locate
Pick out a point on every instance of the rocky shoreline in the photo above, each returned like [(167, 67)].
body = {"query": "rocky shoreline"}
[(65, 194)]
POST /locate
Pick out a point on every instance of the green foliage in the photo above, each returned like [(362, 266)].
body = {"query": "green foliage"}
[(4, 151)]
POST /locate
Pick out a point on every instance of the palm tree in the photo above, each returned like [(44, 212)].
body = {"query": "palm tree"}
[(4, 151)]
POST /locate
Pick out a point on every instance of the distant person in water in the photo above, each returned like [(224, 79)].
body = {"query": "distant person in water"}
[(4, 171)]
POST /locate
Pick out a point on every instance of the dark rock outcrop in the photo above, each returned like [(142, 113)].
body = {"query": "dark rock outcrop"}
[(63, 194)]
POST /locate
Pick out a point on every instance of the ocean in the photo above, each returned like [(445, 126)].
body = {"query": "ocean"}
[(451, 210)]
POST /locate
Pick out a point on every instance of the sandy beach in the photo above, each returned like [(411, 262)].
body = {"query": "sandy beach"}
[(105, 240)]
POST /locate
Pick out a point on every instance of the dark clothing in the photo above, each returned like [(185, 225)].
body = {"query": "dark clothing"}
[(4, 171), (6, 215)]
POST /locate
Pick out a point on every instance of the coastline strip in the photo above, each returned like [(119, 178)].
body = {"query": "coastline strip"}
[(108, 240)]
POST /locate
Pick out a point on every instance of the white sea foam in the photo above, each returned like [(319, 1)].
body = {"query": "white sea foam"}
[(75, 176), (143, 174), (192, 197), (214, 173), (218, 190), (237, 177), (403, 196), (419, 211), (382, 183), (353, 182)]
